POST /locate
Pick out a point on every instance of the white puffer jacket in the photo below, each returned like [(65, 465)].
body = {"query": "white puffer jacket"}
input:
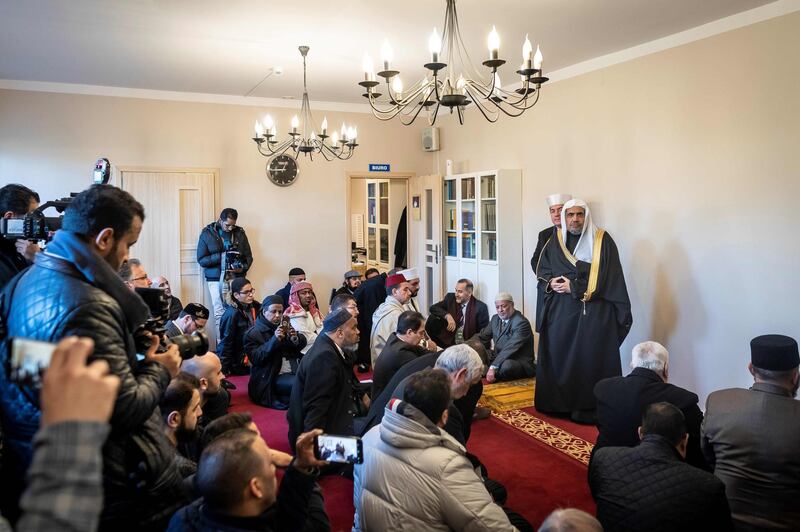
[(416, 477)]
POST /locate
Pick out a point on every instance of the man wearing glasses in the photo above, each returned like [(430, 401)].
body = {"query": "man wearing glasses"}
[(192, 318)]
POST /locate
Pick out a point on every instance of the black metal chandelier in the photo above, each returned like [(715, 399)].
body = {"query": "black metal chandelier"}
[(303, 136), (441, 87)]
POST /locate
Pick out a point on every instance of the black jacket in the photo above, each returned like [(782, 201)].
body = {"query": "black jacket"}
[(210, 248), (266, 354), (298, 507), (11, 262), (650, 487), (621, 402), (326, 392), (53, 299), (369, 297), (232, 327), (396, 353)]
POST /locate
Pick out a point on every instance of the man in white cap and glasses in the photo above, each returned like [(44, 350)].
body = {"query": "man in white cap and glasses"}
[(585, 316), (512, 357), (412, 278)]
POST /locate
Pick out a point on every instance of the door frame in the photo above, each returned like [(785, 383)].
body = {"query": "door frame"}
[(117, 171), (407, 176)]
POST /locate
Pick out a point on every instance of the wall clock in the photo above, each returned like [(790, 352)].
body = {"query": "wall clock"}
[(282, 170)]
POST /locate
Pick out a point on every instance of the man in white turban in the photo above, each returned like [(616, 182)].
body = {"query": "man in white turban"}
[(585, 316)]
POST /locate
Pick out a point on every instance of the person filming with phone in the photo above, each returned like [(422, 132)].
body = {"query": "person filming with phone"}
[(73, 289)]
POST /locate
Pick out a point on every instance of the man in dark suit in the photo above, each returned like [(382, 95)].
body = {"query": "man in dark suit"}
[(513, 342), (752, 438), (369, 297), (465, 314), (193, 317), (650, 487), (295, 276), (326, 394), (621, 401)]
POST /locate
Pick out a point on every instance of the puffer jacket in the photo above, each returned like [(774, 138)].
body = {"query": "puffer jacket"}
[(54, 299), (415, 476), (384, 323), (210, 247)]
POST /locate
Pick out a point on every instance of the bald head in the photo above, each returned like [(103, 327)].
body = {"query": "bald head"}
[(208, 369)]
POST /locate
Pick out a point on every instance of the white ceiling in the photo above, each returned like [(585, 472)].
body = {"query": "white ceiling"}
[(227, 46)]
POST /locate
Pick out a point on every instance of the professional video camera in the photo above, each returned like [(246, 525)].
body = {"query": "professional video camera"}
[(35, 225), (233, 260), (157, 301)]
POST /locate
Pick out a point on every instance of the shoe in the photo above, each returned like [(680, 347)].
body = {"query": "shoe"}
[(363, 368), (228, 385), (482, 412)]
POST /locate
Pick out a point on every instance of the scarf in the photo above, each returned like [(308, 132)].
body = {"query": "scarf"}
[(585, 247), (295, 308), (69, 247)]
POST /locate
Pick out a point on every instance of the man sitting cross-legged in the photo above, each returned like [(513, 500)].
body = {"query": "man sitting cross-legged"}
[(513, 342)]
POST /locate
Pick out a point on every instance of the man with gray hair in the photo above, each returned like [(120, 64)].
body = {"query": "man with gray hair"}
[(621, 401), (570, 520), (511, 332)]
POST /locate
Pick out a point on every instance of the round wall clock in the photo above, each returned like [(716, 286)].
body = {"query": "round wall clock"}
[(282, 170)]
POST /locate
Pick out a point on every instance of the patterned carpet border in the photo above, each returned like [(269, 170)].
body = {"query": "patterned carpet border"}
[(550, 435)]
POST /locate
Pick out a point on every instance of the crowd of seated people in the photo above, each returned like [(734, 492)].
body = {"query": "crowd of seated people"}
[(123, 432)]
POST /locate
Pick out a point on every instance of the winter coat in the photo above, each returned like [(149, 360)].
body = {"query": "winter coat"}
[(307, 325), (210, 248), (415, 476), (54, 299), (384, 323), (232, 326), (266, 354)]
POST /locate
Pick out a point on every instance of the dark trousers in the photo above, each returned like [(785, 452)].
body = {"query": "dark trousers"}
[(514, 369)]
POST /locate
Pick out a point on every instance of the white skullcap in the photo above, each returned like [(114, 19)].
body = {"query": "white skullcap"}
[(504, 296), (410, 274), (558, 199)]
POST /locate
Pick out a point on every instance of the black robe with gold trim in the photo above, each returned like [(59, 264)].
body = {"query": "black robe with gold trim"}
[(580, 332)]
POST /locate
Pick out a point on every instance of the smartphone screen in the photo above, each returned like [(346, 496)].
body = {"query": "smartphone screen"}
[(344, 449), (29, 359)]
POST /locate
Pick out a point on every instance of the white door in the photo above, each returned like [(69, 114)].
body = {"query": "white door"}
[(177, 205), (429, 262)]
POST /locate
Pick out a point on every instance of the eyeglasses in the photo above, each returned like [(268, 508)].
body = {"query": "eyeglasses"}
[(248, 292), (142, 278)]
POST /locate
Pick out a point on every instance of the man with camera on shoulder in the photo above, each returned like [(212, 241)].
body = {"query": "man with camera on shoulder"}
[(16, 254), (73, 289), (223, 249)]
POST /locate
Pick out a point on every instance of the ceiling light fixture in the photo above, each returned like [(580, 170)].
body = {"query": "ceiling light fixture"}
[(303, 136), (453, 85)]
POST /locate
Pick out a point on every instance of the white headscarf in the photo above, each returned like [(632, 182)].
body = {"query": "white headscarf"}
[(583, 251)]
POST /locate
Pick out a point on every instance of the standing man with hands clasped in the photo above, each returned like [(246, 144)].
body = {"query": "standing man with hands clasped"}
[(73, 289)]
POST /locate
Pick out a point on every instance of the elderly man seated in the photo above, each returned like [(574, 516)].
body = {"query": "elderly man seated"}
[(511, 332)]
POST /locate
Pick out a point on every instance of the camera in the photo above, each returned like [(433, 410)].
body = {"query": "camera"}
[(35, 225), (232, 259), (157, 300)]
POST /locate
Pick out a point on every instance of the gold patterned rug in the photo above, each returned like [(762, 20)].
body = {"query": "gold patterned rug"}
[(552, 436)]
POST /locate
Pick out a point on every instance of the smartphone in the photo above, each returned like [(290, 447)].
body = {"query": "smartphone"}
[(343, 449), (29, 360)]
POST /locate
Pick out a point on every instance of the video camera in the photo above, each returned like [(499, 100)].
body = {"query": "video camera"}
[(157, 300), (35, 225), (233, 260)]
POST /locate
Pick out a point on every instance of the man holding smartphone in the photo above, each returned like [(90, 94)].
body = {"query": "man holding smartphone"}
[(73, 289)]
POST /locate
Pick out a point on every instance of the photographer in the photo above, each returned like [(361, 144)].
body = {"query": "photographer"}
[(15, 255), (73, 289), (217, 239)]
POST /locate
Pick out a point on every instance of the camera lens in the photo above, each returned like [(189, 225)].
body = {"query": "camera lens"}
[(190, 345)]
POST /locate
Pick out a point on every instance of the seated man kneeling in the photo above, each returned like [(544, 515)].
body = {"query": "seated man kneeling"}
[(410, 453), (513, 342), (275, 351), (408, 343)]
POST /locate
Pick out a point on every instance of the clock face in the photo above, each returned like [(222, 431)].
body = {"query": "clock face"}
[(282, 170)]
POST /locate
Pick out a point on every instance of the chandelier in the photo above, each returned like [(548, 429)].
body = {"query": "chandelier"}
[(441, 88), (303, 137)]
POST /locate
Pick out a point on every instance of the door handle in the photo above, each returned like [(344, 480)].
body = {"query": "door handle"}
[(436, 254)]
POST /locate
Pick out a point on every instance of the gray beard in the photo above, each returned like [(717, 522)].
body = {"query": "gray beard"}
[(575, 232), (350, 348)]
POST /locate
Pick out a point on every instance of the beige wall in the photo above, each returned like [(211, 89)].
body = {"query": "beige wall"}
[(690, 159), (50, 142)]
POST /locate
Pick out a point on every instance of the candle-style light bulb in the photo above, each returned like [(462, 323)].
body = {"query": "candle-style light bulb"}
[(273, 131), (343, 132), (325, 126), (435, 46), (397, 87), (369, 68), (334, 139), (494, 44), (527, 49), (387, 54), (259, 129), (461, 84), (268, 122), (295, 123), (355, 133), (537, 59)]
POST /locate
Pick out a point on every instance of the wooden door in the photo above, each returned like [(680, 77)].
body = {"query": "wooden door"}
[(177, 204)]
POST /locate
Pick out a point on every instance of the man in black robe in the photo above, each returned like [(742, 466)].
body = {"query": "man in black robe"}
[(369, 297), (554, 204), (585, 316)]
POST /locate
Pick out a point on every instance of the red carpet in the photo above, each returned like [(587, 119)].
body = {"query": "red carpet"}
[(539, 478)]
